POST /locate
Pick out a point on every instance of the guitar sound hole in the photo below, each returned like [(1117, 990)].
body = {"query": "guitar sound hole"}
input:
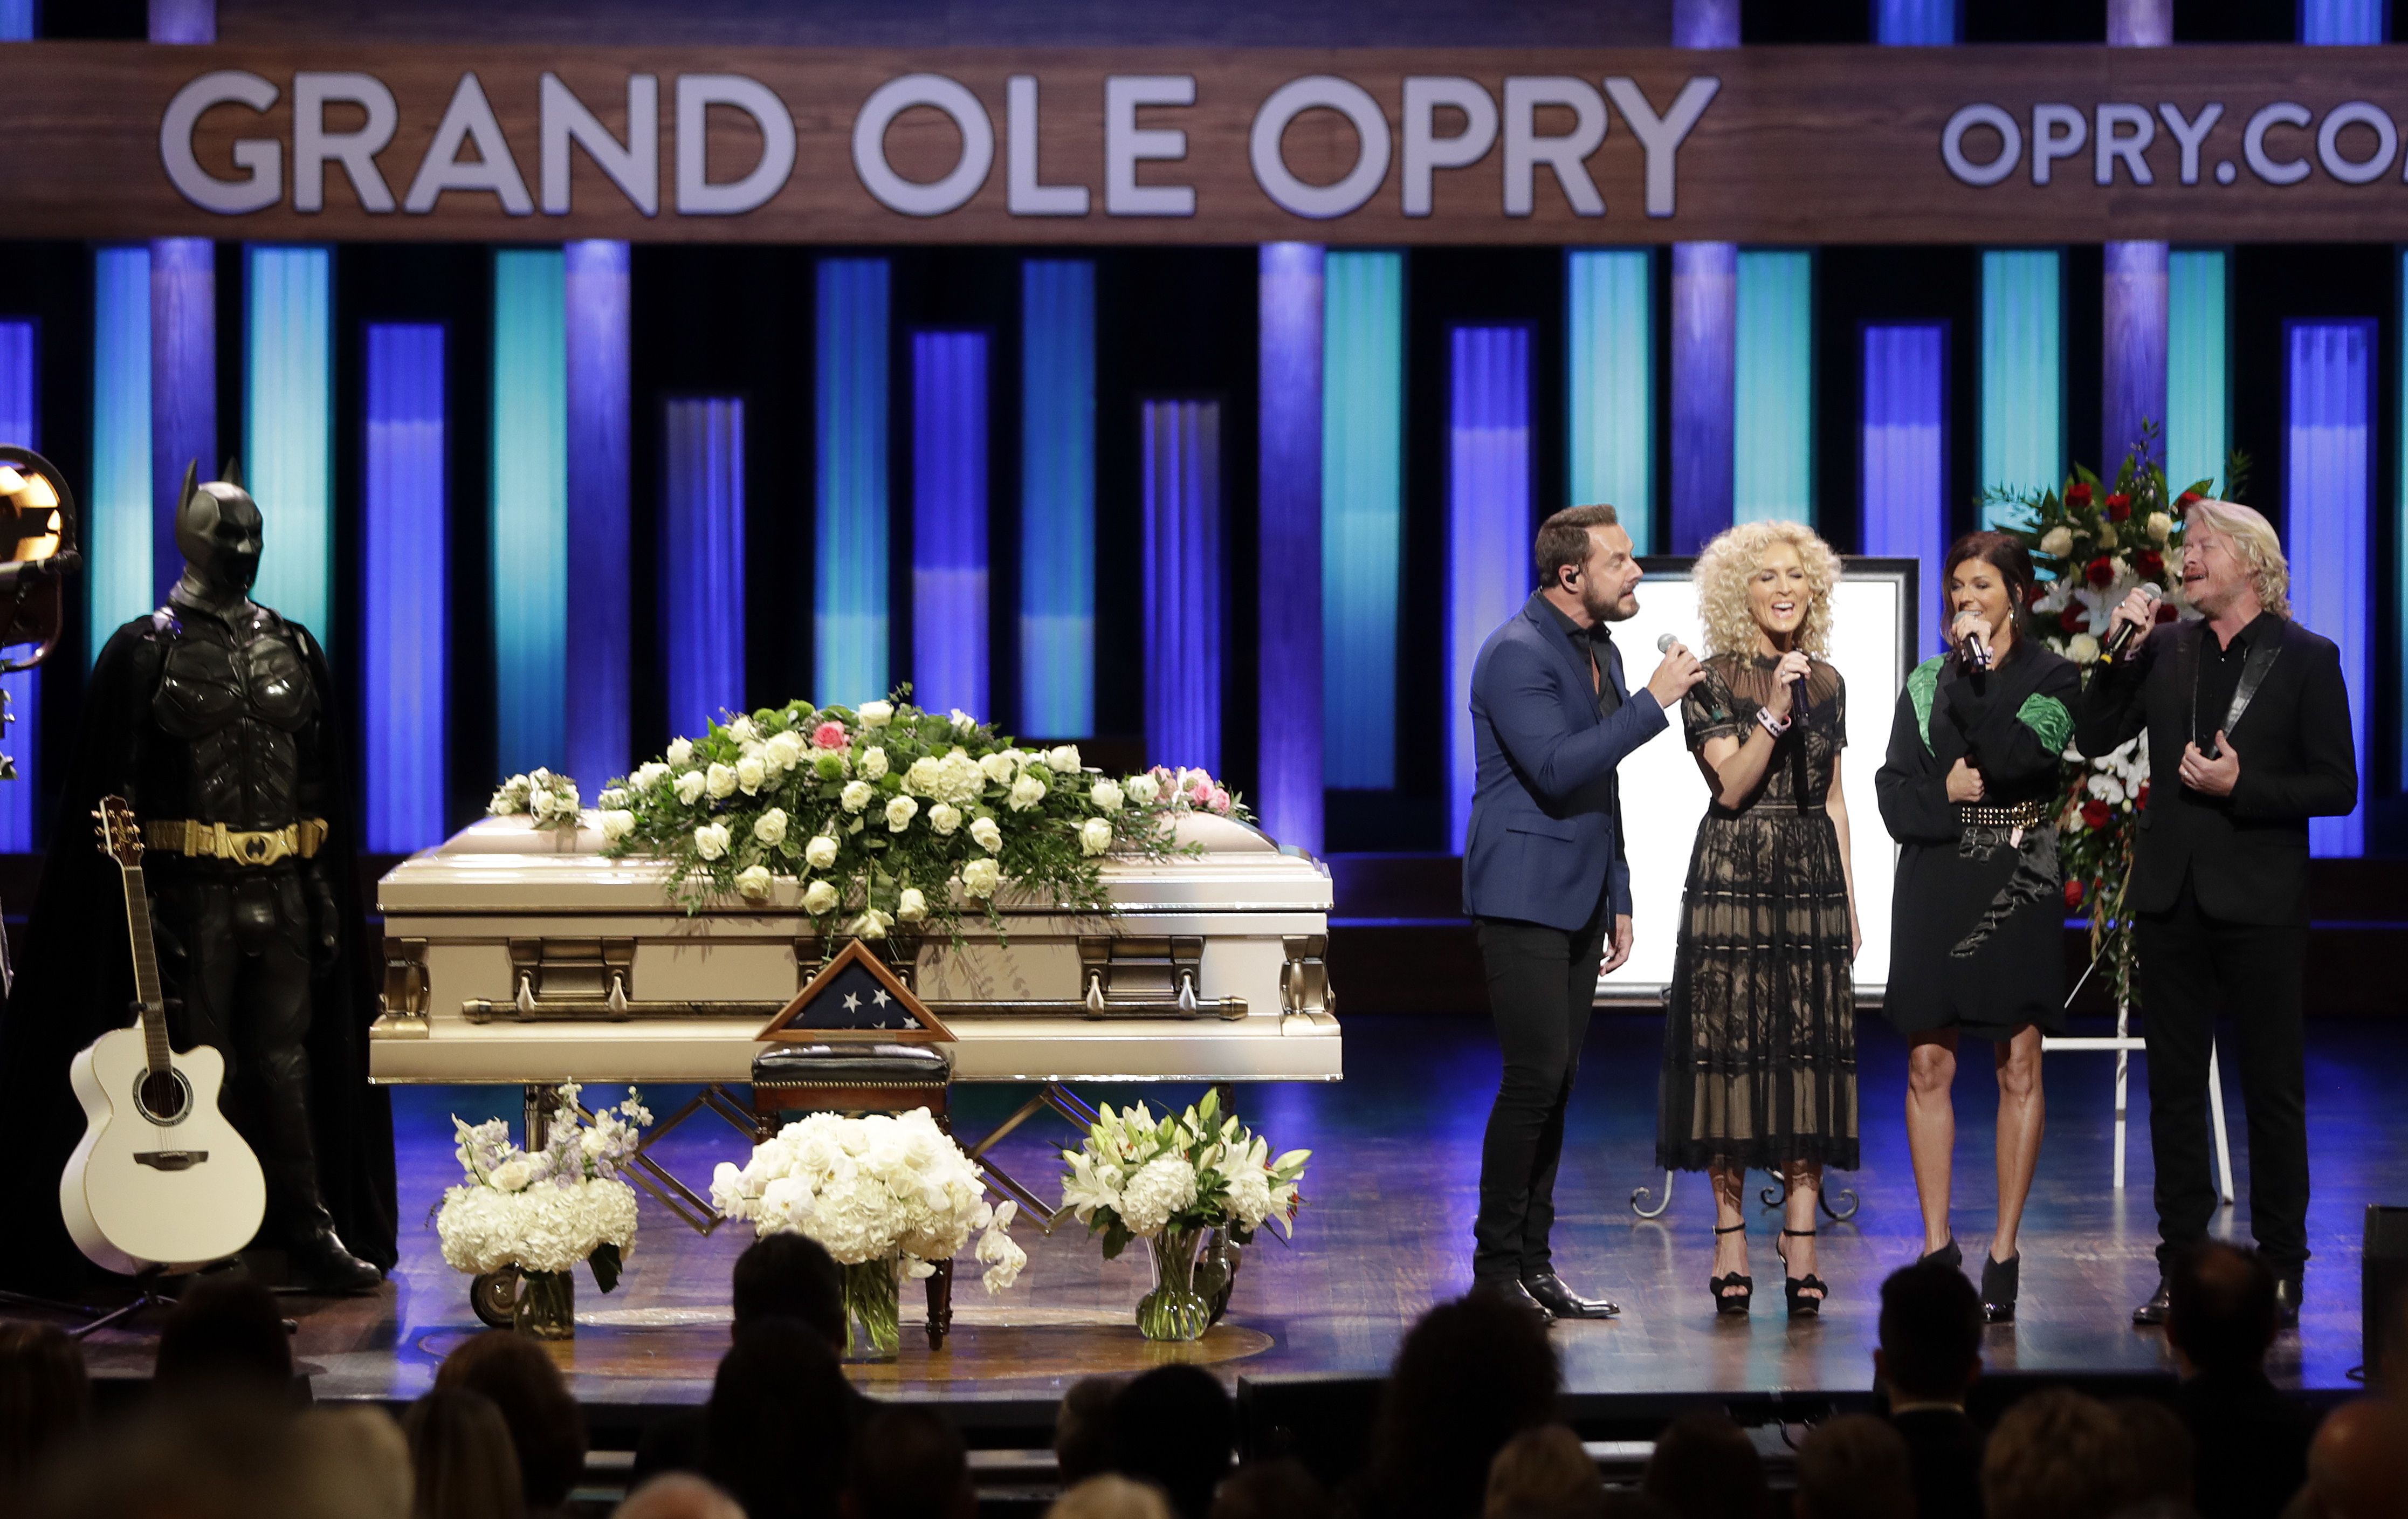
[(163, 1096)]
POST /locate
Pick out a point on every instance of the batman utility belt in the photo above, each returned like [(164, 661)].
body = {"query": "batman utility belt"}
[(216, 841)]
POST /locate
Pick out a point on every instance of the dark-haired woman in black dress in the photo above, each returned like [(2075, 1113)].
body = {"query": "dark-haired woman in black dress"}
[(1969, 790)]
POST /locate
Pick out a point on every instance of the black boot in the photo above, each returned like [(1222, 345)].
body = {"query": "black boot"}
[(1999, 1280), (2154, 1310), (318, 1261), (320, 1264)]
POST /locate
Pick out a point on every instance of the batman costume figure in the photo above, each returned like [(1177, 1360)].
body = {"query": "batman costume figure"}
[(211, 716)]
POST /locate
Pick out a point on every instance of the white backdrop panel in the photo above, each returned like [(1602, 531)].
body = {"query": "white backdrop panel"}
[(1664, 795)]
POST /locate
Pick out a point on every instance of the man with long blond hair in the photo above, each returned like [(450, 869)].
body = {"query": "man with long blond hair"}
[(2249, 737)]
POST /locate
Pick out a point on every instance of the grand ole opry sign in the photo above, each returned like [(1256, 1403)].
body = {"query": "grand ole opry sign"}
[(1768, 145)]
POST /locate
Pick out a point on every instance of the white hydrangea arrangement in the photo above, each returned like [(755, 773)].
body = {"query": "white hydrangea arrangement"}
[(549, 799), (548, 1210), (887, 819), (873, 1188), (1136, 1176)]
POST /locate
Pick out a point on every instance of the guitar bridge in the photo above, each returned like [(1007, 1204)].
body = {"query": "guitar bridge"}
[(170, 1160)]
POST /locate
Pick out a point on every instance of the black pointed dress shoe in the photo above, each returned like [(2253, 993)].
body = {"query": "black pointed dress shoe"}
[(2154, 1310), (1514, 1294), (1561, 1302), (2286, 1302)]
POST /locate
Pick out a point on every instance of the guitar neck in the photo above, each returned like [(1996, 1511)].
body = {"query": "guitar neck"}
[(146, 968)]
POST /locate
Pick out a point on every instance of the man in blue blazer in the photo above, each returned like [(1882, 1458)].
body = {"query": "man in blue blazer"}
[(1544, 873)]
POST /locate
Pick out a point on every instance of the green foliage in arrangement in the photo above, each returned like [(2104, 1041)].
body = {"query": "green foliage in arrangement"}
[(886, 819)]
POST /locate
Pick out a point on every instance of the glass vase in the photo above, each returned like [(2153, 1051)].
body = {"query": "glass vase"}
[(873, 1310), (546, 1307), (1174, 1310)]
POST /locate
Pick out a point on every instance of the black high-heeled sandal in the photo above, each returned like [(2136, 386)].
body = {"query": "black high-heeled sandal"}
[(1796, 1287), (1947, 1254), (1734, 1303), (1999, 1280)]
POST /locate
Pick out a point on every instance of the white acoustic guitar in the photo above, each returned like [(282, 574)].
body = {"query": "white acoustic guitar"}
[(161, 1182)]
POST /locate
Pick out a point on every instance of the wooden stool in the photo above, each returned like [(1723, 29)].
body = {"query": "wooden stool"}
[(791, 1081)]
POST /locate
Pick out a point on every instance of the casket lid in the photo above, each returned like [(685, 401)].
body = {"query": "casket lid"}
[(507, 865)]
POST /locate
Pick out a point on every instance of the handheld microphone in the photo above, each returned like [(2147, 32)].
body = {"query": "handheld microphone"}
[(2121, 638), (1664, 642), (1972, 650)]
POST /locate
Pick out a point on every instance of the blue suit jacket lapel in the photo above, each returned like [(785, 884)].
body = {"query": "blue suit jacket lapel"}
[(1574, 664)]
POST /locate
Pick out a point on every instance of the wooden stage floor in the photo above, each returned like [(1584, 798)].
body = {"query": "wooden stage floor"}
[(1386, 1233)]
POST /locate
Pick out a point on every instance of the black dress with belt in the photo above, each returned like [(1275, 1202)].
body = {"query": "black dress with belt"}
[(1976, 942), (1760, 1030)]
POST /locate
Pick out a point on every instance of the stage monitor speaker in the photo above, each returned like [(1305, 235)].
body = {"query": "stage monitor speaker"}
[(1323, 1420), (2383, 1284)]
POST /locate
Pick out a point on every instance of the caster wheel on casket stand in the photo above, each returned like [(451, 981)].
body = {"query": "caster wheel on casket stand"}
[(495, 1295)]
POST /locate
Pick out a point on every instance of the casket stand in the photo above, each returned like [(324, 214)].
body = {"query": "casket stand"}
[(521, 956)]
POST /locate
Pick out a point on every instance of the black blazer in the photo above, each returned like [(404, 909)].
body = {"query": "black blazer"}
[(2246, 854)]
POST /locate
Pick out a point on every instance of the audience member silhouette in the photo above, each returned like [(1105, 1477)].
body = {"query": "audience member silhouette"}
[(226, 1336), (1174, 1427), (1705, 1467), (779, 1422), (908, 1463), (784, 1275), (1470, 1375), (2163, 1454), (2057, 1454), (546, 1427), (792, 1276), (2252, 1440), (461, 1458), (353, 1461), (231, 1456), (44, 1403), (1543, 1473), (1855, 1467), (2358, 1464), (678, 1495), (1282, 1489), (1083, 1430), (1110, 1495), (1930, 1352)]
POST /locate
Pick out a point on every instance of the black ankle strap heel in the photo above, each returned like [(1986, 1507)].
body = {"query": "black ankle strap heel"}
[(1725, 1301), (1805, 1292)]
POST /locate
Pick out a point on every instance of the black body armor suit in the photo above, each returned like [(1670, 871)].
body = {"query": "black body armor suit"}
[(229, 783)]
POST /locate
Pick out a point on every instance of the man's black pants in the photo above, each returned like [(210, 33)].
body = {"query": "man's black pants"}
[(2193, 967), (1541, 982)]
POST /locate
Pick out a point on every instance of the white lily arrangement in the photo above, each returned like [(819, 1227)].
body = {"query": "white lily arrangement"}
[(548, 798), (872, 1188), (1135, 1176), (547, 1210)]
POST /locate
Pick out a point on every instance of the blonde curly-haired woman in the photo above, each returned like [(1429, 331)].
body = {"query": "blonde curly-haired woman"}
[(1761, 1042)]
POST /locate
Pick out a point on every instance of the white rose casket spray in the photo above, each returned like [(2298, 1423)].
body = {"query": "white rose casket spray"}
[(859, 807)]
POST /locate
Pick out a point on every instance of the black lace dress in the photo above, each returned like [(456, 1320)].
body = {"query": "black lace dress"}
[(1760, 1032)]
